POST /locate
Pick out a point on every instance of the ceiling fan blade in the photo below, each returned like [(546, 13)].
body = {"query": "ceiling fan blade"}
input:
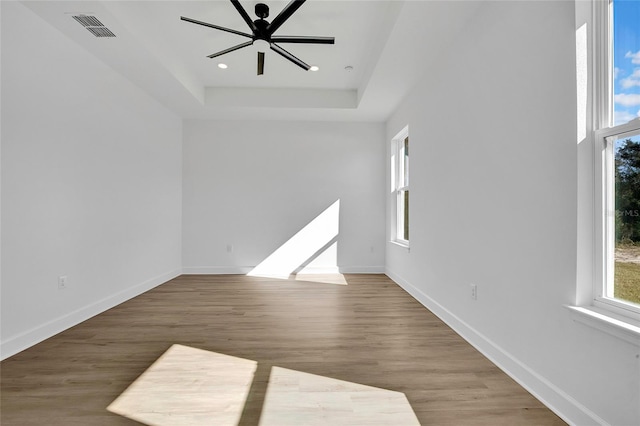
[(279, 50), (229, 30), (244, 15), (303, 39), (284, 15), (260, 63), (231, 49)]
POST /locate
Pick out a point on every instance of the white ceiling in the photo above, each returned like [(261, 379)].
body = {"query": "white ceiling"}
[(389, 44)]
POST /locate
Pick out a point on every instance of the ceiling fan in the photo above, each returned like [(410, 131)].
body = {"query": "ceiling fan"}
[(262, 33)]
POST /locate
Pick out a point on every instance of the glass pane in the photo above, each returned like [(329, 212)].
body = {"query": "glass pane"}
[(627, 219), (406, 215), (401, 171), (403, 216), (626, 60), (405, 160)]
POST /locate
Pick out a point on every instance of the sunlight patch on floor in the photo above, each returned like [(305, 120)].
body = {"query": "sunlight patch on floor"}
[(188, 386), (309, 277), (295, 398), (194, 387)]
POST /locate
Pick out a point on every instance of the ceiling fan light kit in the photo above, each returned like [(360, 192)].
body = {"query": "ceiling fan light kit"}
[(262, 33)]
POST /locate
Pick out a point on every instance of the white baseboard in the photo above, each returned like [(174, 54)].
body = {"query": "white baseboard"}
[(42, 332), (216, 270), (243, 270), (553, 397), (362, 270)]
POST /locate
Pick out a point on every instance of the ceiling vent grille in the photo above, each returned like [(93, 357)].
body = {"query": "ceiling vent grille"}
[(93, 25), (101, 31)]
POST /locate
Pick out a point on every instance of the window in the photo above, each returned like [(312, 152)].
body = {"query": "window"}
[(617, 154), (400, 186), (618, 219)]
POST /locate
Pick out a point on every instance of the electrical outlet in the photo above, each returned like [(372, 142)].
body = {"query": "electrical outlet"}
[(229, 248), (474, 292), (62, 282)]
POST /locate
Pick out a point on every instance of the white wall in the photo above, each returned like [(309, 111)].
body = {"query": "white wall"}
[(91, 188), (255, 184), (493, 202), (91, 184)]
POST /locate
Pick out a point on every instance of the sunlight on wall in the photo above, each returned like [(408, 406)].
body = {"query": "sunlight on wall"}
[(393, 170), (194, 387), (295, 398), (325, 263), (188, 386), (323, 269), (304, 247)]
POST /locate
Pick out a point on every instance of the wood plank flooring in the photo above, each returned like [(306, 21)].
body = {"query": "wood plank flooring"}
[(309, 350)]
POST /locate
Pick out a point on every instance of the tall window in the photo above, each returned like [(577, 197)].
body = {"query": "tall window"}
[(617, 148), (400, 184)]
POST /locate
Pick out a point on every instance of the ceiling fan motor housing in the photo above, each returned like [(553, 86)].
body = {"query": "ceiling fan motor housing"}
[(261, 32)]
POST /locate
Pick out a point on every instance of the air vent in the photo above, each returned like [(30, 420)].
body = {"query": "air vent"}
[(93, 25), (88, 21), (101, 31)]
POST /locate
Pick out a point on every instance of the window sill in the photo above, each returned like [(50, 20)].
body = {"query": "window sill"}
[(603, 320), (399, 244)]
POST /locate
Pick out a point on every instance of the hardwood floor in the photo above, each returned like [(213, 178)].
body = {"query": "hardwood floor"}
[(263, 351)]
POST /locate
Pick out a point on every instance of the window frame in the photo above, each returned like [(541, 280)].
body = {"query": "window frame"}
[(604, 140), (399, 184), (603, 137)]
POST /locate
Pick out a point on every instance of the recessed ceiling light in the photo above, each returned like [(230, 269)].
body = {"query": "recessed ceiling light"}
[(222, 66), (314, 68)]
